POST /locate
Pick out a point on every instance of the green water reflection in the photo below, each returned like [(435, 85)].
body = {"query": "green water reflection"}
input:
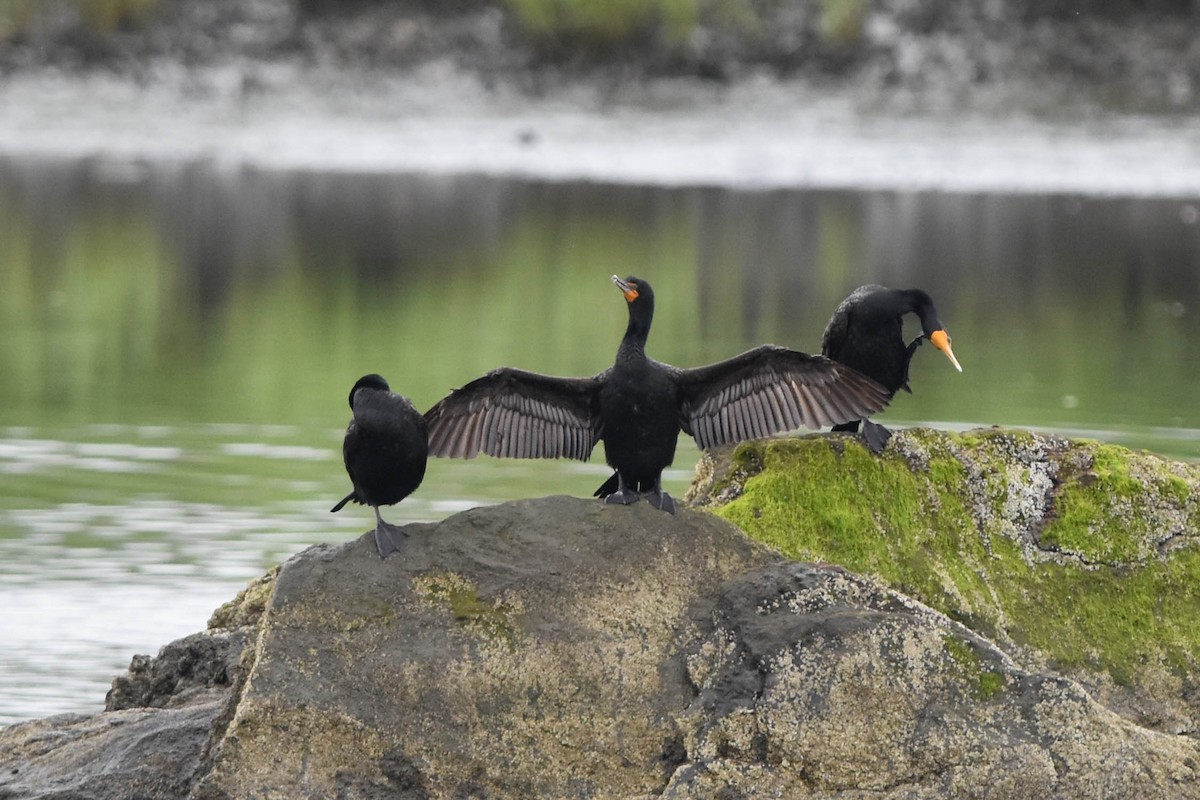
[(138, 296), (177, 343)]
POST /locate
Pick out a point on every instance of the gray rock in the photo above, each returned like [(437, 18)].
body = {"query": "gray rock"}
[(1069, 554), (563, 648), (121, 755), (814, 682), (519, 650), (183, 668)]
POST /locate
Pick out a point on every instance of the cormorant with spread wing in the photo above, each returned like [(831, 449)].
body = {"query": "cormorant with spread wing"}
[(638, 406)]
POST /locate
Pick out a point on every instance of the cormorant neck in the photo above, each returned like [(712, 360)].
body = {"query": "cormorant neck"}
[(636, 333), (921, 304)]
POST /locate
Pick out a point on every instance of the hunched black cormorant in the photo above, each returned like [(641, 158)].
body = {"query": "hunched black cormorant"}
[(866, 332), (385, 450), (638, 406)]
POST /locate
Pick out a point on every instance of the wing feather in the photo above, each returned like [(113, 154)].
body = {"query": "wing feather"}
[(511, 413), (770, 390), (821, 413)]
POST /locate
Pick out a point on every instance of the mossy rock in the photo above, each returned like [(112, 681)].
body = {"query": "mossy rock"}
[(247, 608), (1080, 555)]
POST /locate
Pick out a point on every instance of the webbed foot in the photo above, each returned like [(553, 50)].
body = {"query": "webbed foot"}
[(876, 435), (661, 500), (623, 497), (387, 536), (387, 539)]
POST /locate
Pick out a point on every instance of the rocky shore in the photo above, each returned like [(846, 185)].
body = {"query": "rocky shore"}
[(561, 648), (1009, 96), (1006, 55)]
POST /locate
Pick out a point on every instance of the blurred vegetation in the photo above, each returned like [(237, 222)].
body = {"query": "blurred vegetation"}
[(554, 27), (599, 26), (673, 24), (923, 43), (103, 16), (97, 17), (602, 25)]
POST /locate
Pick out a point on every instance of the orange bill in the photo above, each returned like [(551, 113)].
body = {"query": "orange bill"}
[(627, 288), (941, 341)]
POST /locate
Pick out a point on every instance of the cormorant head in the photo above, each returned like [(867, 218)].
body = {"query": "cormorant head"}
[(637, 293), (640, 298), (371, 381), (941, 340), (931, 326)]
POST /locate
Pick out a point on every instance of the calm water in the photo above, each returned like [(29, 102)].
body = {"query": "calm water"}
[(177, 344)]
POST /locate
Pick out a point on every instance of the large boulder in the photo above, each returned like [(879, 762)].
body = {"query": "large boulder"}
[(522, 650), (563, 648), (1071, 555), (812, 682)]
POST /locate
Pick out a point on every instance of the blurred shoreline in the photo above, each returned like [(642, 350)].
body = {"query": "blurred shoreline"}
[(940, 100)]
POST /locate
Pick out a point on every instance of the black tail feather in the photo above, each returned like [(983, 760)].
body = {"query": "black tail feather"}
[(610, 486), (343, 502)]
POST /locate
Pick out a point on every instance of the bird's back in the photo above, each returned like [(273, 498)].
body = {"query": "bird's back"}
[(866, 333), (385, 448)]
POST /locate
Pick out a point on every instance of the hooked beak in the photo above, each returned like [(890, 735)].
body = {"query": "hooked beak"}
[(628, 289), (941, 341)]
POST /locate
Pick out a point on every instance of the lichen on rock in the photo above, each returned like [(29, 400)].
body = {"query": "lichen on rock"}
[(1075, 554)]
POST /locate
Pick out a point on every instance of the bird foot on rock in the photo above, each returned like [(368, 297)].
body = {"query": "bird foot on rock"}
[(661, 500), (388, 537), (876, 435), (623, 497)]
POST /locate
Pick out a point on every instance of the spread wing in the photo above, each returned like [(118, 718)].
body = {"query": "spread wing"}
[(511, 413), (770, 390)]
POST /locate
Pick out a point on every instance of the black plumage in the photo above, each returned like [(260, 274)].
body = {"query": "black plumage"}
[(638, 406), (866, 332), (385, 450)]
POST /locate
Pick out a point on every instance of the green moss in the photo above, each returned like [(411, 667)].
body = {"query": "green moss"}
[(471, 611), (987, 684), (939, 517), (1176, 487), (990, 685), (1089, 521), (248, 606), (818, 499), (374, 613), (1114, 619)]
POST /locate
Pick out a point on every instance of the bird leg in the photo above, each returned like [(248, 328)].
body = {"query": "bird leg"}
[(876, 435), (623, 496), (660, 499), (387, 535), (908, 354)]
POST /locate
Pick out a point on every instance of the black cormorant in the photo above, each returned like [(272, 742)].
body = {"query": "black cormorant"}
[(639, 405), (866, 332), (385, 449)]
